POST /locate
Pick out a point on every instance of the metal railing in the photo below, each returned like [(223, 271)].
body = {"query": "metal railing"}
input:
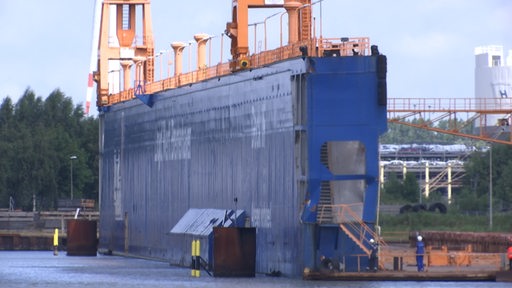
[(322, 47), (488, 105), (350, 222)]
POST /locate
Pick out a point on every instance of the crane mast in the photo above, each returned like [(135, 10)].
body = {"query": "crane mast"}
[(299, 25), (127, 49)]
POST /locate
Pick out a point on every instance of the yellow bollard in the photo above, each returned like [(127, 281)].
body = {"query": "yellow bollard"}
[(193, 265), (56, 242), (198, 257)]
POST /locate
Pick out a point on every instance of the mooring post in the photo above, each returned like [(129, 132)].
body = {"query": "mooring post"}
[(198, 258), (193, 265), (56, 242)]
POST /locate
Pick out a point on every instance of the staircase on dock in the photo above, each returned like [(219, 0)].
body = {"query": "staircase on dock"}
[(349, 221)]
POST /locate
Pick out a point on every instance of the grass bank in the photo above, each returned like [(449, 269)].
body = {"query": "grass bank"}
[(397, 227)]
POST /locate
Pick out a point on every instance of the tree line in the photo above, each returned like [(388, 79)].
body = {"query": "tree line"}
[(38, 138)]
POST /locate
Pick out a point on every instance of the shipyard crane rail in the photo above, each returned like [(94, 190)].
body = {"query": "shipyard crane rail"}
[(429, 111)]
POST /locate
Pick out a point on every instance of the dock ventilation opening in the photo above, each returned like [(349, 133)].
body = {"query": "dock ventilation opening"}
[(346, 160), (344, 157)]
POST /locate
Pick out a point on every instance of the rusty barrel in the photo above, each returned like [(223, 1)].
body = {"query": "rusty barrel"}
[(82, 237), (234, 252)]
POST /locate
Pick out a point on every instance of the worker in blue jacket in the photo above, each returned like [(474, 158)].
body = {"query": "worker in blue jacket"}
[(373, 259), (420, 252)]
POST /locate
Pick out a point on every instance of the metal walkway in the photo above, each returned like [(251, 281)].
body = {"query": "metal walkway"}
[(460, 113)]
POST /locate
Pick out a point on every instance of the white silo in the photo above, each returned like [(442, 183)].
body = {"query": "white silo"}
[(493, 80)]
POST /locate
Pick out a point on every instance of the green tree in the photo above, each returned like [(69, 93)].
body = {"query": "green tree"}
[(477, 182), (411, 190), (504, 188), (400, 192), (392, 190), (6, 145), (37, 138)]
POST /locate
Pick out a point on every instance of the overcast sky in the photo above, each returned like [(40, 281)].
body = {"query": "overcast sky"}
[(430, 44)]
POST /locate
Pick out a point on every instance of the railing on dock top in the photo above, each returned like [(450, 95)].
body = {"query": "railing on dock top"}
[(321, 47)]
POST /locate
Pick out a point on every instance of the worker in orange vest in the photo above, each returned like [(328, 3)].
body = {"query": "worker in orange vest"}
[(509, 255)]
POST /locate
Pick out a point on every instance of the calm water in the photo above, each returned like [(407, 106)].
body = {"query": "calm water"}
[(42, 269)]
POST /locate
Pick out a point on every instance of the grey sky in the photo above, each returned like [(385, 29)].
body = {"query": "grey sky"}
[(429, 43)]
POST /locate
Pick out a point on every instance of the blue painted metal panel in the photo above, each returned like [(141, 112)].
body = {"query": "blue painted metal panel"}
[(343, 106)]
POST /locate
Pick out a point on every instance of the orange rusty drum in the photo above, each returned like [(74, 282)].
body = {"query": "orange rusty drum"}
[(234, 252), (82, 238)]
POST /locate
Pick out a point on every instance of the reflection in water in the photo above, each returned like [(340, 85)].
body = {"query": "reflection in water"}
[(42, 269)]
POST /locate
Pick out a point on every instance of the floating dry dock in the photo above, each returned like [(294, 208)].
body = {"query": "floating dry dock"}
[(289, 136)]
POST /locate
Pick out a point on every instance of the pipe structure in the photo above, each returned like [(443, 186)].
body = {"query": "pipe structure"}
[(125, 64), (201, 40), (427, 180), (178, 48), (292, 8), (449, 183)]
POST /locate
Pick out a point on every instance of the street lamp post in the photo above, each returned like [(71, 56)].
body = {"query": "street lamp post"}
[(490, 187), (281, 29), (190, 55), (255, 30), (71, 158), (265, 29)]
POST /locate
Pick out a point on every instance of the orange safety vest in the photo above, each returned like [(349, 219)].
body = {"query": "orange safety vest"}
[(509, 252)]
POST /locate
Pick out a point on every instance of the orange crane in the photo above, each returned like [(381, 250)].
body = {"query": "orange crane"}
[(127, 50), (299, 25)]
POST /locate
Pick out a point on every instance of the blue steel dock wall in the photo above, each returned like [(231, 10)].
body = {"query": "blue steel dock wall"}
[(343, 105), (242, 136)]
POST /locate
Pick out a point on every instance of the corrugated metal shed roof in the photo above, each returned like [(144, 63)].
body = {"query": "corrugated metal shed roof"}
[(200, 222)]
